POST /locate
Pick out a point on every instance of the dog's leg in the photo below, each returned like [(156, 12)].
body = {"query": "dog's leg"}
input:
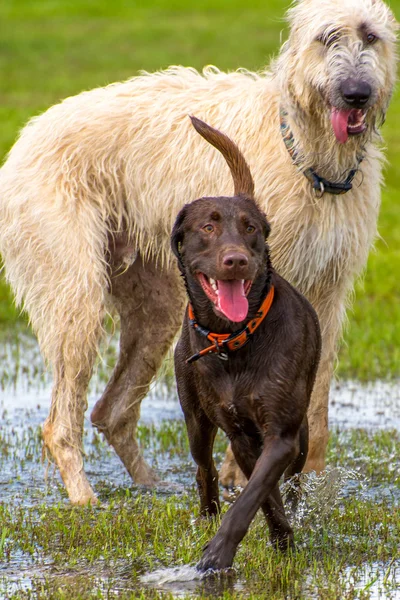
[(299, 461), (201, 433), (293, 470), (63, 429), (330, 307), (150, 302), (247, 454), (275, 457), (230, 475), (318, 416)]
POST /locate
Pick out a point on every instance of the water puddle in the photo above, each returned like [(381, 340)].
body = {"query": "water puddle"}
[(365, 425), (186, 580), (375, 582), (366, 406), (379, 581)]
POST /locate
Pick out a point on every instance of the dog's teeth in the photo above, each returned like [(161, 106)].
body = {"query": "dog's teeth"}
[(213, 284)]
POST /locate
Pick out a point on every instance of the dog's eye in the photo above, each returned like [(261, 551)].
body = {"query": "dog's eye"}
[(371, 38), (250, 229), (208, 228)]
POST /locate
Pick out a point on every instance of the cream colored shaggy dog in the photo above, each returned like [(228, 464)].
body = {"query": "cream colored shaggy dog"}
[(90, 191)]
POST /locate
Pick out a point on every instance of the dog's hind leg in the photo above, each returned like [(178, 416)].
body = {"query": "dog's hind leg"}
[(150, 303), (72, 368), (300, 458), (63, 430), (295, 468)]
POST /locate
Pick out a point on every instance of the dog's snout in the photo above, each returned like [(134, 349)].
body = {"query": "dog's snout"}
[(235, 259), (356, 92)]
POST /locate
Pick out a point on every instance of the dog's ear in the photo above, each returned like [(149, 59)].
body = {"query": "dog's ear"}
[(177, 235), (267, 226)]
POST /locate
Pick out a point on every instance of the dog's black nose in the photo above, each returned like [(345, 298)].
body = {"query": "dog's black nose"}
[(355, 92), (235, 259)]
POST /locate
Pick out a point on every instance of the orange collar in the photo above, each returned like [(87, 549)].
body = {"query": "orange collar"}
[(229, 341)]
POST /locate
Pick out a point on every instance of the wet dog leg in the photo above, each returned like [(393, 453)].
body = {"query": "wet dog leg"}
[(294, 491), (63, 429), (276, 455), (230, 475), (247, 454), (201, 433), (150, 302)]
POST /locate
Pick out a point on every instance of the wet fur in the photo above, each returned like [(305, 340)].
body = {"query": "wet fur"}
[(90, 191), (260, 395)]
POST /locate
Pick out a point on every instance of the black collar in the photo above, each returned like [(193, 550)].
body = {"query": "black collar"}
[(319, 184)]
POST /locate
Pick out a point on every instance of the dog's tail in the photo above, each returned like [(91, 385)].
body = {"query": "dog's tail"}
[(242, 179)]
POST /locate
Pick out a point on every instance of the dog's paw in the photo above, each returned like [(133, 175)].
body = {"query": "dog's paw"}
[(230, 494), (217, 556)]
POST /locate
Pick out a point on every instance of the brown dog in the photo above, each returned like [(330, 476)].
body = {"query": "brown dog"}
[(253, 375)]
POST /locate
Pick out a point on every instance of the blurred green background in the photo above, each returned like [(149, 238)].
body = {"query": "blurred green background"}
[(50, 49)]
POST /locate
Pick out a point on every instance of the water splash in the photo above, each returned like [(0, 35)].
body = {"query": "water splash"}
[(311, 498), (172, 575), (181, 580)]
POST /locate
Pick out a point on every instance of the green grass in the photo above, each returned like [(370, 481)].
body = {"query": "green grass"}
[(51, 49), (347, 532)]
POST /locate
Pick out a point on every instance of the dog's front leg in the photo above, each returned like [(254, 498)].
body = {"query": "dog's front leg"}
[(330, 308), (201, 433), (247, 453), (277, 454)]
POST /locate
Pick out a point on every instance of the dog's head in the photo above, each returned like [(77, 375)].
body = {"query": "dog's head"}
[(339, 64), (220, 242)]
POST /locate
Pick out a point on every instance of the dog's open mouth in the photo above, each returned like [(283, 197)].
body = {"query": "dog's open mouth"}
[(228, 296), (348, 122)]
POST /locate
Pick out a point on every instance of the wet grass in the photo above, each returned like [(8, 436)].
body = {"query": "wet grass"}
[(53, 49), (347, 532)]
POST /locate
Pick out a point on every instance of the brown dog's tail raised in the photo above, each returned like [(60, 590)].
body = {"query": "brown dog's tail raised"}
[(242, 179)]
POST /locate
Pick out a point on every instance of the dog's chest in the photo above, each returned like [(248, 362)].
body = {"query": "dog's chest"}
[(230, 401), (314, 244)]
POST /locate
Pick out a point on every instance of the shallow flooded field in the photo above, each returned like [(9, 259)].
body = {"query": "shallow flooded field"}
[(142, 543)]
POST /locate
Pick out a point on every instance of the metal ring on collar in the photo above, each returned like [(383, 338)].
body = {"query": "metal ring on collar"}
[(319, 193)]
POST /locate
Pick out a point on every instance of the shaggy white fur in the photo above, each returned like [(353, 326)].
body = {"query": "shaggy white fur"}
[(117, 163)]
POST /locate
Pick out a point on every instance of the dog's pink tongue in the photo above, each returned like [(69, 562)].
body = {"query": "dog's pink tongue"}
[(340, 120), (232, 301)]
